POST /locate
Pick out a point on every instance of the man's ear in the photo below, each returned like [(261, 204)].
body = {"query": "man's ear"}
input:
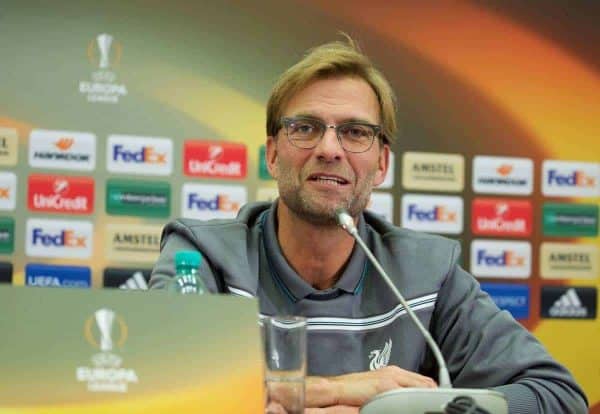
[(383, 164), (271, 156)]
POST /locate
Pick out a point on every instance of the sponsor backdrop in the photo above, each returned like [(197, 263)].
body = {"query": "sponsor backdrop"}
[(116, 117)]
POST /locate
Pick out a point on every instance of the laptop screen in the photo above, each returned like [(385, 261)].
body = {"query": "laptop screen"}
[(99, 351)]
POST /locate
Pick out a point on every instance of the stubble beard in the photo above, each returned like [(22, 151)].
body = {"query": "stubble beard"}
[(310, 207)]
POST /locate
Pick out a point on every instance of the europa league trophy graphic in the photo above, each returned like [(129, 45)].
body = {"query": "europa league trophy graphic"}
[(104, 42), (104, 320)]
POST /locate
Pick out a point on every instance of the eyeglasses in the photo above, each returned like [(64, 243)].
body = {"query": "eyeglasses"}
[(306, 133)]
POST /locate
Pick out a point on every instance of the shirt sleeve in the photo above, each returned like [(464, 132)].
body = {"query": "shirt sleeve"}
[(164, 269), (485, 347)]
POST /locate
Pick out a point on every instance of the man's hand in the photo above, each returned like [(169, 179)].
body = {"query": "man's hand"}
[(351, 391)]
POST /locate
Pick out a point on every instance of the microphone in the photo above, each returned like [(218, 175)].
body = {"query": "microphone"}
[(418, 400)]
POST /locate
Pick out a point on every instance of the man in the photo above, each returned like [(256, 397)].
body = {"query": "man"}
[(330, 120)]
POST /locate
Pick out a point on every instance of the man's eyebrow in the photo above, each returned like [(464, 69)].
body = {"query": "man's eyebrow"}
[(343, 121)]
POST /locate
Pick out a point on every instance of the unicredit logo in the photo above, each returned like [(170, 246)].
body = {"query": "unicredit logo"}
[(145, 155), (436, 214), (215, 159), (218, 203), (64, 238), (506, 258), (61, 194), (501, 217), (575, 179)]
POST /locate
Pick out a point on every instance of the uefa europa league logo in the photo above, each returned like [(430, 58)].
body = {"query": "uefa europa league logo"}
[(104, 320), (104, 42)]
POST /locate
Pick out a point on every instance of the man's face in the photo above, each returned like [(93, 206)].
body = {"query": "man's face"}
[(313, 183)]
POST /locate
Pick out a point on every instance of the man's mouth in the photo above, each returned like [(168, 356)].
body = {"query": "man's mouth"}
[(328, 179)]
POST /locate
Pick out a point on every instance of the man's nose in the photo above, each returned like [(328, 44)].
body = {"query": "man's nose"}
[(329, 147)]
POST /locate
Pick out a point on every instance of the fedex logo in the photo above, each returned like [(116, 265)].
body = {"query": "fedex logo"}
[(214, 159), (145, 155), (60, 238), (205, 201), (66, 238), (575, 179), (436, 214), (139, 155), (498, 258), (220, 202), (505, 258), (8, 190), (571, 179)]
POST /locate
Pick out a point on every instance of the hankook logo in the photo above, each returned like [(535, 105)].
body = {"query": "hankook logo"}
[(62, 150), (502, 175)]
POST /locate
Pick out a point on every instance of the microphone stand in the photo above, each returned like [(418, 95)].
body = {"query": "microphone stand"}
[(419, 400)]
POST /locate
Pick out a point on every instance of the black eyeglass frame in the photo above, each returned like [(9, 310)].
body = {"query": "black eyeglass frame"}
[(285, 122)]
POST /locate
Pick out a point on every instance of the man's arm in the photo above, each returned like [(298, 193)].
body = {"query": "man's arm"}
[(164, 269), (353, 390), (486, 347)]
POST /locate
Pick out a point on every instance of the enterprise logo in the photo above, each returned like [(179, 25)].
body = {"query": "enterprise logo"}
[(570, 179), (7, 235), (500, 217), (138, 198), (215, 159), (570, 220), (510, 297), (204, 201), (64, 150), (502, 175), (69, 239), (435, 214), (139, 155), (43, 275), (500, 258)]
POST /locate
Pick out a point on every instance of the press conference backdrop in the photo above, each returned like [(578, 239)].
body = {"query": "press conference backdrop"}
[(116, 117)]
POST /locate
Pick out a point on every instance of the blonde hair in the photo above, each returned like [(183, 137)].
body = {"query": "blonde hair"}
[(334, 59)]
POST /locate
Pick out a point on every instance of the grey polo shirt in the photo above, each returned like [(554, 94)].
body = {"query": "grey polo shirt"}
[(356, 325)]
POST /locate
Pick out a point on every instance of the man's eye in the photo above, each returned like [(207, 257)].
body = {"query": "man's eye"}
[(355, 131), (303, 128)]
